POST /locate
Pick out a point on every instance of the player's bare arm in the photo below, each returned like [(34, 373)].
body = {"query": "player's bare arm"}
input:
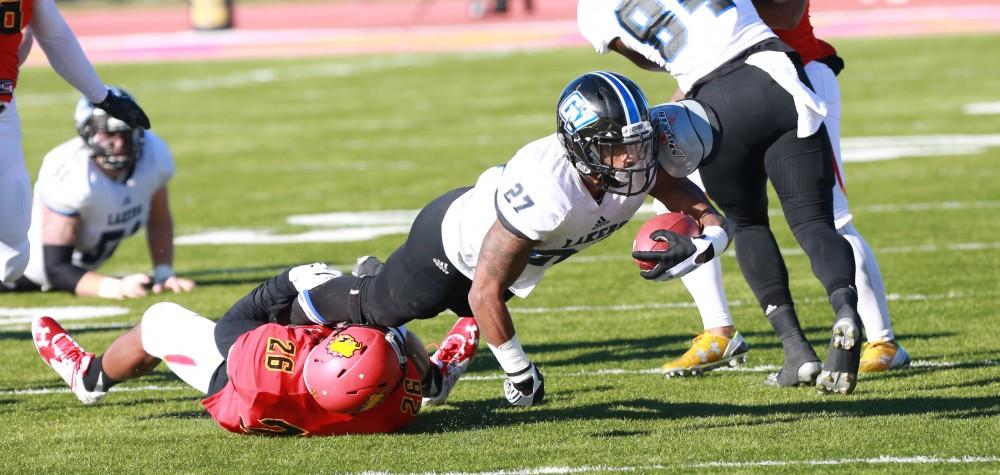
[(683, 195), (502, 258), (634, 56), (783, 14), (160, 237), (59, 236)]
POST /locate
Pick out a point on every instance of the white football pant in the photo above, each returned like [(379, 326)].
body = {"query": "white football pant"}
[(184, 340), (872, 303), (15, 197)]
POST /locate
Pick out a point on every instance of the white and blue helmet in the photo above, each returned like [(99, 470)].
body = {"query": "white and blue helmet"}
[(600, 110)]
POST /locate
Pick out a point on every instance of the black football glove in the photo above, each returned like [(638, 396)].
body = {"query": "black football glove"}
[(678, 259), (527, 388), (125, 110)]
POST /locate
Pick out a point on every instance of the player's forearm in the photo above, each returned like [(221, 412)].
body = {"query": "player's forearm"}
[(492, 316), (89, 285), (64, 51), (160, 237)]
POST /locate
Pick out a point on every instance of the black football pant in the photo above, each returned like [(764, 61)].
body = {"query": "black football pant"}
[(757, 122), (418, 280)]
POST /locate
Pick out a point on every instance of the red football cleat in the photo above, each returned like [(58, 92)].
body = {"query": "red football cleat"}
[(65, 356), (454, 355)]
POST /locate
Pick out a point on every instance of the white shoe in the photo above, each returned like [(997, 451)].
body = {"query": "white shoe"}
[(65, 356), (453, 357)]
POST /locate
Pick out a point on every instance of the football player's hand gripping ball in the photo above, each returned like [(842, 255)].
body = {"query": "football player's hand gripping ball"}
[(526, 388), (682, 255)]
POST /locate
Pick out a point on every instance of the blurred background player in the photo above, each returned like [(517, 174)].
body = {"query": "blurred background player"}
[(67, 58), (822, 65), (261, 375), (770, 128), (472, 249), (92, 192)]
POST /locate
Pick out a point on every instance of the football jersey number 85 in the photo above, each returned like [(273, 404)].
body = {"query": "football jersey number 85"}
[(652, 22)]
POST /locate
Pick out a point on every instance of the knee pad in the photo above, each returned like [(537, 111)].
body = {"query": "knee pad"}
[(157, 320)]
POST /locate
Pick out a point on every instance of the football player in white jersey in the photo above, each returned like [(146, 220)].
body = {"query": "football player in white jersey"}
[(770, 126), (21, 23), (472, 249), (92, 192)]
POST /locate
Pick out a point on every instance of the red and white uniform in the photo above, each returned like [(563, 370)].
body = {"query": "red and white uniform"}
[(872, 304), (825, 85), (67, 58), (266, 393)]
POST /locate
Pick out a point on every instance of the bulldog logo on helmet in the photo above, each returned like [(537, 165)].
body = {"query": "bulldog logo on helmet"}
[(344, 346)]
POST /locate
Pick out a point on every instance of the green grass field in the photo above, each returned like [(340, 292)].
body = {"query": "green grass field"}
[(258, 141)]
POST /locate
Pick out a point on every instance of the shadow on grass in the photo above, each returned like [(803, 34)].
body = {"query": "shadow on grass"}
[(475, 415), (657, 347)]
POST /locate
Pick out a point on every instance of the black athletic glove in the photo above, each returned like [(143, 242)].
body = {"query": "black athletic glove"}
[(125, 110), (679, 257)]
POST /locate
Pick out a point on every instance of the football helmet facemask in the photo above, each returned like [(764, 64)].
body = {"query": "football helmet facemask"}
[(100, 132), (602, 121), (355, 368)]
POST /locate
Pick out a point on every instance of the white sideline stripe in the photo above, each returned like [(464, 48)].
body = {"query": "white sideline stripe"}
[(18, 315), (982, 108), (869, 149), (499, 376), (361, 226), (124, 389)]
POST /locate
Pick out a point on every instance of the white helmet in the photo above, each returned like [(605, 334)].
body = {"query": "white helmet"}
[(91, 119)]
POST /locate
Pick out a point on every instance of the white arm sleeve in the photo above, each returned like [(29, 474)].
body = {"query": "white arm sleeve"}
[(64, 51)]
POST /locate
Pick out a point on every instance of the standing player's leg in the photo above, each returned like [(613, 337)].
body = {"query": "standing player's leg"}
[(736, 180), (720, 344), (881, 352), (15, 196)]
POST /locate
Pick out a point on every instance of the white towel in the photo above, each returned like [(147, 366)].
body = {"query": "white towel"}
[(810, 108)]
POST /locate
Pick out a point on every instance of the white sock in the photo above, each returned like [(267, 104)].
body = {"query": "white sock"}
[(872, 303), (705, 286)]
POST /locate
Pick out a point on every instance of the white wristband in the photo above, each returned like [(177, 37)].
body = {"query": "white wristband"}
[(719, 238), (511, 356), (109, 288), (162, 272)]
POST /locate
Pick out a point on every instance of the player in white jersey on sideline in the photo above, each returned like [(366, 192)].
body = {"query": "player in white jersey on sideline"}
[(22, 22), (472, 249), (770, 128), (92, 192)]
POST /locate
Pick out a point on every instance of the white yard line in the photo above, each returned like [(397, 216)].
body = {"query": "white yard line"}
[(880, 460), (365, 225), (20, 315)]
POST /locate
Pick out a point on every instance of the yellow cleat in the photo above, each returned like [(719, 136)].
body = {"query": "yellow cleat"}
[(883, 356), (708, 352)]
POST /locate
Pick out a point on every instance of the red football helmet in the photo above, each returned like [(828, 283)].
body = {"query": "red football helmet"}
[(354, 368)]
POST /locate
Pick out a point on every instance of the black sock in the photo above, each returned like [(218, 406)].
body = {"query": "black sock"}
[(844, 301), (786, 324), (432, 381), (95, 379)]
